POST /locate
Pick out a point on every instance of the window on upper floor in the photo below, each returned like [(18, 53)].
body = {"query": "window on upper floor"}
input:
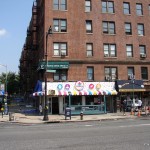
[(108, 7), (130, 73), (60, 49), (60, 75), (144, 73), (89, 26), (140, 29), (108, 27), (109, 50), (139, 9), (60, 25), (126, 8), (60, 4), (142, 49), (149, 8), (89, 49), (128, 28), (110, 73), (88, 6), (90, 73), (129, 50)]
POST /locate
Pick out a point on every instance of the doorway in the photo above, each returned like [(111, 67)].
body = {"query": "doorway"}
[(55, 105)]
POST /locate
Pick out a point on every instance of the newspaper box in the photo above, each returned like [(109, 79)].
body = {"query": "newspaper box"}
[(67, 113)]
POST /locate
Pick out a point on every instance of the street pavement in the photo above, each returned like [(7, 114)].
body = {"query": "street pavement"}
[(37, 119)]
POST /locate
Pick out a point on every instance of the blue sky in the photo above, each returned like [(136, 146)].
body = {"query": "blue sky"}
[(15, 16)]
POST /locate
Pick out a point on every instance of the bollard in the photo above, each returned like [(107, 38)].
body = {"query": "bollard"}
[(81, 115), (139, 113), (132, 113)]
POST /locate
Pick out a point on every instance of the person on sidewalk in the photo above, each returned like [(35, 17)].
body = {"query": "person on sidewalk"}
[(124, 107), (40, 109), (139, 104)]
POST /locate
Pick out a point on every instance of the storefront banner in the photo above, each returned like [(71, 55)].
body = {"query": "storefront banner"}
[(80, 88)]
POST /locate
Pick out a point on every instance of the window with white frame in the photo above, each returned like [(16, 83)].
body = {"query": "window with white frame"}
[(88, 7), (129, 50), (128, 28), (144, 73), (89, 26), (60, 49), (139, 9), (60, 75), (60, 4), (89, 49), (126, 8), (60, 25), (108, 27), (108, 7), (90, 73), (109, 50), (110, 73), (140, 29)]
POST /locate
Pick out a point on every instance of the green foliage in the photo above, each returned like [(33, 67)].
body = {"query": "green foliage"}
[(13, 82)]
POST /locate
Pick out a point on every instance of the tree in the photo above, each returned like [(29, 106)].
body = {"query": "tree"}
[(13, 82)]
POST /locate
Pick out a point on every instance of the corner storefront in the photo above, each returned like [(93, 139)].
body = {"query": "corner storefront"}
[(130, 90), (89, 97)]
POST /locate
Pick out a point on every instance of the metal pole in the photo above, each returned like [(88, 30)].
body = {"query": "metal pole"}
[(45, 107)]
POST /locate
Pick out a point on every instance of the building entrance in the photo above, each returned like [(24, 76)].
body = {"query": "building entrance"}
[(55, 105)]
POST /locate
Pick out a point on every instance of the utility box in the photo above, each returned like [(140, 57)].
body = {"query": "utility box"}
[(67, 112)]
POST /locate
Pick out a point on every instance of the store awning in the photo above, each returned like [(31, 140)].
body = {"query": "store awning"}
[(52, 65), (130, 86), (38, 89)]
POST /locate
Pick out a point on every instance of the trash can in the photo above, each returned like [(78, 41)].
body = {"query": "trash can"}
[(67, 112), (11, 116)]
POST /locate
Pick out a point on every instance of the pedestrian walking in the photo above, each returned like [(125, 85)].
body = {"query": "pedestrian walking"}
[(139, 104), (124, 107), (40, 109)]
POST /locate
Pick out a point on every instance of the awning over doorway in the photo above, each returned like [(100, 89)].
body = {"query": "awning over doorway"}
[(77, 88), (130, 86), (38, 89)]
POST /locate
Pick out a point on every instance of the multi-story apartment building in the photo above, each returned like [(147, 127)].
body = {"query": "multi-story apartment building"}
[(94, 48)]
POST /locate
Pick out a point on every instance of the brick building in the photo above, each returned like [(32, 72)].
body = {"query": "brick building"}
[(91, 44)]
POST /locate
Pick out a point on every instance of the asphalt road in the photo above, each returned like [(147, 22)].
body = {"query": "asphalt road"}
[(105, 135)]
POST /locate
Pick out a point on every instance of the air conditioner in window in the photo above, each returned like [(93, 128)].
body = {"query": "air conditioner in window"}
[(143, 55), (51, 92), (107, 78), (63, 54), (106, 55)]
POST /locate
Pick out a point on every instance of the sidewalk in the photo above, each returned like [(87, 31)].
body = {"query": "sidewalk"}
[(29, 119)]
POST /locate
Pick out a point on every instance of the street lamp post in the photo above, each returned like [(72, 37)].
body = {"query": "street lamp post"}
[(5, 84), (45, 118)]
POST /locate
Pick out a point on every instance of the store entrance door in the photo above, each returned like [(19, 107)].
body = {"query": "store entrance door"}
[(55, 105)]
